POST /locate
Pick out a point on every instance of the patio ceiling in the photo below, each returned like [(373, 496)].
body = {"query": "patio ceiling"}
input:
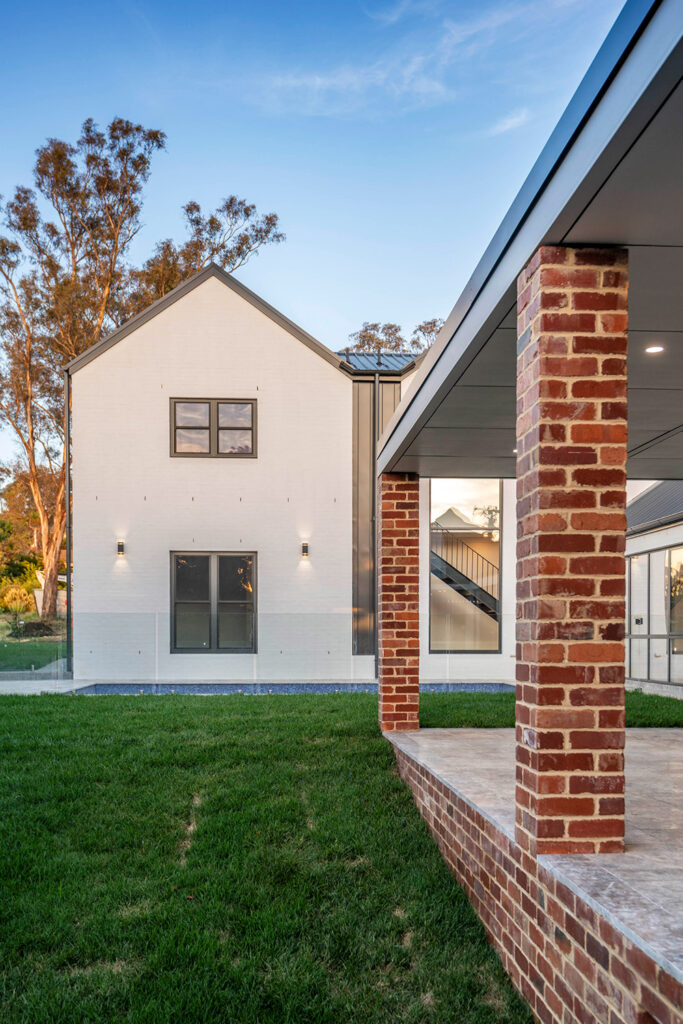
[(612, 173)]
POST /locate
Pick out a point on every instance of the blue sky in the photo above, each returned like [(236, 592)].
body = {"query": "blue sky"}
[(389, 135)]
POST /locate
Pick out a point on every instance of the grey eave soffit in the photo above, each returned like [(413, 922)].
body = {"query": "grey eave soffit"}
[(203, 275), (627, 29)]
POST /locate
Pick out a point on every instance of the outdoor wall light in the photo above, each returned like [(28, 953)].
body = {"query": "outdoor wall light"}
[(120, 548), (652, 349), (304, 549)]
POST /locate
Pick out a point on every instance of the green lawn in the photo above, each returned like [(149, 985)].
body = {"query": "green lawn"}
[(25, 655), (462, 710), (238, 859)]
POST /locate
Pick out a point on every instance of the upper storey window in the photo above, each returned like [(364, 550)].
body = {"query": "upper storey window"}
[(213, 427)]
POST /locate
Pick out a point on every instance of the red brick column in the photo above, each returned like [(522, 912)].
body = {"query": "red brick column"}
[(398, 613), (571, 501)]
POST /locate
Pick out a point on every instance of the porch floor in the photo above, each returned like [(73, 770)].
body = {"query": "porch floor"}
[(639, 892)]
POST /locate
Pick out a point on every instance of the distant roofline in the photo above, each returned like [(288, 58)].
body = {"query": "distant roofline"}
[(658, 522), (355, 371), (183, 289)]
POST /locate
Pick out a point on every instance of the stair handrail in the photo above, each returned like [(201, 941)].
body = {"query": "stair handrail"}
[(467, 561)]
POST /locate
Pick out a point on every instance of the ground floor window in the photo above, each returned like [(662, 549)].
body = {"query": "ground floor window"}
[(654, 642), (464, 565), (213, 601)]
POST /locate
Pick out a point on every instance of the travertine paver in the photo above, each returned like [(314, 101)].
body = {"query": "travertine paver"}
[(641, 890)]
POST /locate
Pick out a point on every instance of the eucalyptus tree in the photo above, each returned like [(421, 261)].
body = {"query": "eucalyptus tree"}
[(389, 337), (66, 281)]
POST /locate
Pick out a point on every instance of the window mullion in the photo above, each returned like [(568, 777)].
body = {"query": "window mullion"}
[(213, 595)]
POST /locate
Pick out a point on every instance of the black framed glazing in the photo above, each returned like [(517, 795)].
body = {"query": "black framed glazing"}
[(673, 638), (213, 602), (213, 428)]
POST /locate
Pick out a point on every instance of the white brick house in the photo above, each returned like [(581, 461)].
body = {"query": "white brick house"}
[(213, 440)]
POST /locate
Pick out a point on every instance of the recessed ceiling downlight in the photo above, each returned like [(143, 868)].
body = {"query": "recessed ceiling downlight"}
[(652, 349)]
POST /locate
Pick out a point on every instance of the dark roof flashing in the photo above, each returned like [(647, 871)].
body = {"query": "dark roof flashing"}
[(655, 508), (183, 289)]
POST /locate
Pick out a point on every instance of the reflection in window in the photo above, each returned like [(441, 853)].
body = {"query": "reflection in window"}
[(655, 615), (214, 602), (213, 427), (464, 556)]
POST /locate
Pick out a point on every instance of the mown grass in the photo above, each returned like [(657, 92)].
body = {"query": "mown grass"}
[(240, 860), (463, 710), (26, 655)]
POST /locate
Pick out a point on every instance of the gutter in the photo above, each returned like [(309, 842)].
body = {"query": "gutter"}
[(656, 524)]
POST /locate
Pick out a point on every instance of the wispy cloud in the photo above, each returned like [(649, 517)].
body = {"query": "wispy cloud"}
[(350, 89), (510, 122), (393, 13), (426, 67)]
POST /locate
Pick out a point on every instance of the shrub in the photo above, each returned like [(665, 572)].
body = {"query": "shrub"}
[(15, 598)]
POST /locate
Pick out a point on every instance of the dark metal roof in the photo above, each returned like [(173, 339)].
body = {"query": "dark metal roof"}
[(377, 362), (658, 506)]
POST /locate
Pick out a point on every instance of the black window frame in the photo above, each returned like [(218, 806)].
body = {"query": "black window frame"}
[(213, 404), (214, 602)]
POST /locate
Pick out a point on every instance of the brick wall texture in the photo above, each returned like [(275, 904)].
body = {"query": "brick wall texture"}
[(571, 510), (569, 963), (398, 613)]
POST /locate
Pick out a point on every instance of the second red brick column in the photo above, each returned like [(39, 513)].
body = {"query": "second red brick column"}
[(398, 611), (571, 502)]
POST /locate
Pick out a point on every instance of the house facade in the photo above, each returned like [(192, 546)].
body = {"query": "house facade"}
[(223, 495), (654, 589)]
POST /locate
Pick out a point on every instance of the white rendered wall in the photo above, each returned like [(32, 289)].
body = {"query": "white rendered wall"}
[(474, 666), (212, 344)]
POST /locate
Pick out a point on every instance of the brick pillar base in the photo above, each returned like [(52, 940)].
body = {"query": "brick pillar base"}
[(398, 613), (571, 502)]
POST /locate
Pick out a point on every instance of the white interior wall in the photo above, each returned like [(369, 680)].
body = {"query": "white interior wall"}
[(476, 665)]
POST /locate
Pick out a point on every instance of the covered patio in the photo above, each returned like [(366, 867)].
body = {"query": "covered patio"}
[(561, 364)]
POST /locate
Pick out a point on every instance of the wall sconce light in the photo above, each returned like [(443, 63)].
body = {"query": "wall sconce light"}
[(304, 549), (120, 548)]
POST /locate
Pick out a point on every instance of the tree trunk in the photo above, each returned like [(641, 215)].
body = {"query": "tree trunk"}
[(51, 569)]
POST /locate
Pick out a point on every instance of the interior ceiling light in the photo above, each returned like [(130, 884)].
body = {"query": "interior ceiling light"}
[(652, 349)]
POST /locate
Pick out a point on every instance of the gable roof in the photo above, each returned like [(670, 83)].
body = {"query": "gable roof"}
[(183, 289), (453, 519), (657, 506)]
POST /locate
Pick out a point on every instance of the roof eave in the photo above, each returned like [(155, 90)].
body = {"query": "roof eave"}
[(183, 289)]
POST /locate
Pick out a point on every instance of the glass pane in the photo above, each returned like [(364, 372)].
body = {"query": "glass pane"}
[(638, 663), (638, 605), (465, 565), (192, 577), (235, 582), (234, 414), (192, 414), (676, 591), (658, 592), (192, 441), (193, 626), (677, 661), (659, 667), (234, 442), (235, 627)]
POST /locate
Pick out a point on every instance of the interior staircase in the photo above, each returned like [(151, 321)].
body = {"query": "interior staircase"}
[(465, 571)]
